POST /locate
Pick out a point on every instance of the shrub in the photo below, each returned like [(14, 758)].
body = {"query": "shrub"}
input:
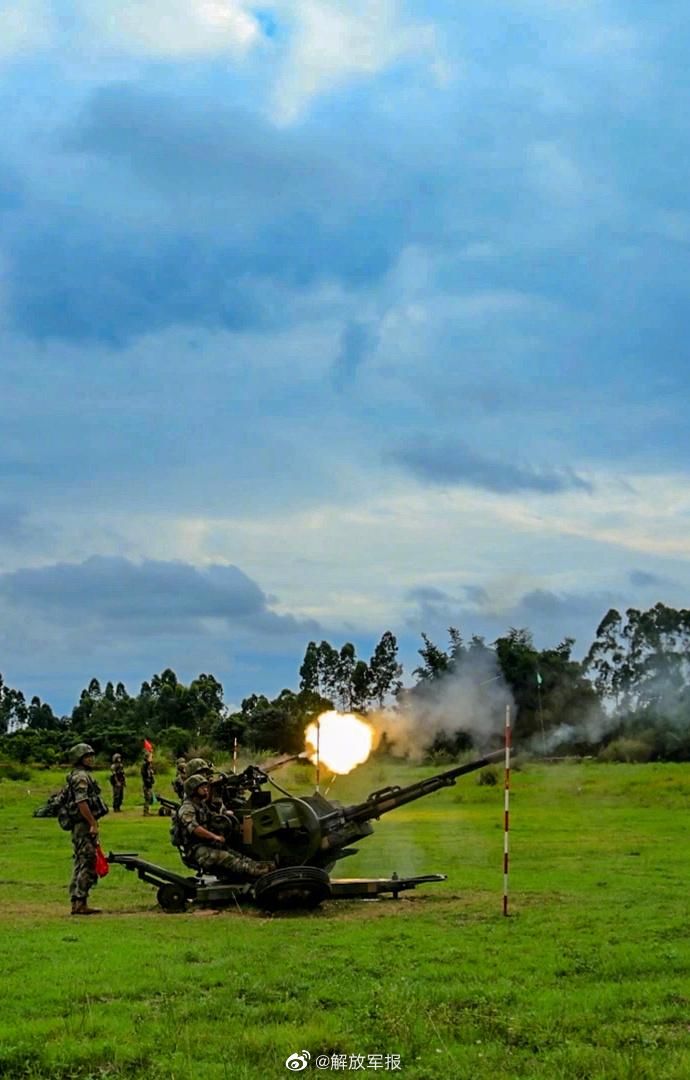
[(10, 771), (488, 777), (630, 750), (440, 758), (176, 740), (202, 750)]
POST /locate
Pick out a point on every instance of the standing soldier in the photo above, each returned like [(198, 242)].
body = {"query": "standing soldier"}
[(85, 806), (118, 781), (180, 777), (148, 779)]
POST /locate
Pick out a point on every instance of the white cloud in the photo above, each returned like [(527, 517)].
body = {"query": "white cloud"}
[(25, 25), (175, 28), (605, 40), (334, 42), (647, 515), (555, 172), (354, 563), (163, 28)]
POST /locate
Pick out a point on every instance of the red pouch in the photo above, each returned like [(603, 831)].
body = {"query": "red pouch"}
[(101, 865)]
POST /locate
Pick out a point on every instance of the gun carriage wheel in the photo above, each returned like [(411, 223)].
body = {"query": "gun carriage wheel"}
[(292, 888), (172, 898)]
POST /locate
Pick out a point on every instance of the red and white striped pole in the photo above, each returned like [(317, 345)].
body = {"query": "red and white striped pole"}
[(318, 755), (506, 810)]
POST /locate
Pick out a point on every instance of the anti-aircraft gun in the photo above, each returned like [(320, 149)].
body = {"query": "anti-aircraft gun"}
[(304, 836), (314, 831)]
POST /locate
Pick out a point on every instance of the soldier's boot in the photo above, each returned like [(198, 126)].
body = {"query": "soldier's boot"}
[(81, 907)]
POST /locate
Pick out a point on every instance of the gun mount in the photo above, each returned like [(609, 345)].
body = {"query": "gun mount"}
[(314, 831), (303, 837)]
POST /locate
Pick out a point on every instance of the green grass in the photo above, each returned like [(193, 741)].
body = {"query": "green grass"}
[(589, 977)]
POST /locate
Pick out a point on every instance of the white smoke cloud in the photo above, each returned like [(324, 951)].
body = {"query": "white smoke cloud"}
[(471, 699), (589, 730)]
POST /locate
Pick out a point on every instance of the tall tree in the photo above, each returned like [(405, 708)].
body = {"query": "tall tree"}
[(329, 670), (41, 717), (13, 708), (309, 671), (435, 662), (384, 670), (347, 661), (549, 687), (641, 662)]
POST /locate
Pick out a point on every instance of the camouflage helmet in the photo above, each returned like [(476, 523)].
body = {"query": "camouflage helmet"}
[(117, 757), (198, 765), (193, 783), (81, 750)]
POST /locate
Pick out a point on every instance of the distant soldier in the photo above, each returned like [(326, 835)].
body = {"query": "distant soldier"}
[(118, 781), (196, 831), (180, 777), (85, 806), (148, 779)]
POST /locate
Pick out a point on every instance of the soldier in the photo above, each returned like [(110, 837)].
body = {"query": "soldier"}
[(197, 830), (198, 765), (86, 806), (148, 779), (180, 777), (217, 782), (118, 782)]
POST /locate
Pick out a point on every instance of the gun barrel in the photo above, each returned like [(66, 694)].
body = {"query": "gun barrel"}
[(273, 765), (390, 798), (169, 804)]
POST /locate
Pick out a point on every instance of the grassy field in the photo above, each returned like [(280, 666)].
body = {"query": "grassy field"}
[(589, 977)]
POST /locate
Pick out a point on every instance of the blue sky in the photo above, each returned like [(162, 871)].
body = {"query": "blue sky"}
[(322, 319)]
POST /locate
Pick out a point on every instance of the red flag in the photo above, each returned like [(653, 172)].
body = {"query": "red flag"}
[(148, 746), (101, 866)]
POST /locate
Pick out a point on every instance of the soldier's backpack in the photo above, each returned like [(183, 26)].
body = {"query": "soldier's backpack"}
[(66, 807), (49, 808), (177, 835), (67, 812)]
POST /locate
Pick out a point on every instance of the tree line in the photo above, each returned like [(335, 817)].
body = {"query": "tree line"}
[(629, 697)]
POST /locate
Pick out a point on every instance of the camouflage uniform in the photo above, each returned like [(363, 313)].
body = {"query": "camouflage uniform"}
[(148, 779), (220, 861), (84, 789), (118, 780), (180, 777)]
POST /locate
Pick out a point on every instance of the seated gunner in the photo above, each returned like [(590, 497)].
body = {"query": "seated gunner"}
[(196, 831)]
